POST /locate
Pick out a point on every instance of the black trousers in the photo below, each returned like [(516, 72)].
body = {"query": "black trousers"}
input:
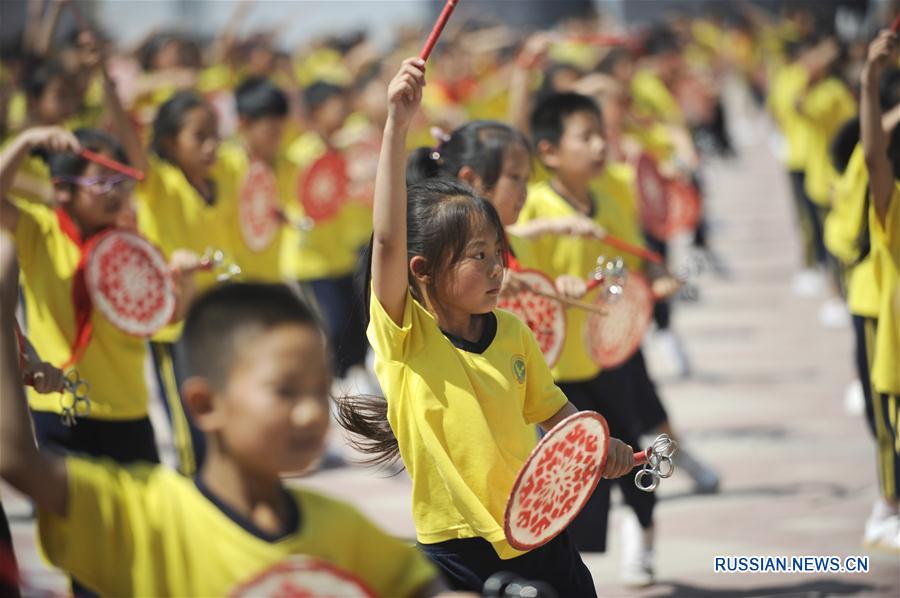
[(613, 394), (124, 442), (467, 563)]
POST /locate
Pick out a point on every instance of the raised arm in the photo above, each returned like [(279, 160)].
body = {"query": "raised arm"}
[(54, 139), (874, 140), (38, 475), (389, 261)]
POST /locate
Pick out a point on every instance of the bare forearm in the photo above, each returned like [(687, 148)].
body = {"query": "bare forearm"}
[(10, 160), (875, 144), (567, 410)]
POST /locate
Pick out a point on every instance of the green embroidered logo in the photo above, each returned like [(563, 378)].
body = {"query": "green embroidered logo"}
[(518, 368)]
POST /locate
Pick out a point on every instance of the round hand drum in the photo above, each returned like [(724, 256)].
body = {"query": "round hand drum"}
[(652, 198), (128, 282), (258, 207), (613, 337), (557, 480), (305, 577), (684, 206), (545, 317), (323, 187)]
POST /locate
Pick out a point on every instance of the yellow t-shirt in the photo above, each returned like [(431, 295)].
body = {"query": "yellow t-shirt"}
[(32, 181), (145, 530), (843, 227), (827, 106), (113, 363), (461, 417), (523, 251), (788, 83), (653, 99), (264, 264), (173, 215), (327, 251), (886, 255), (577, 256)]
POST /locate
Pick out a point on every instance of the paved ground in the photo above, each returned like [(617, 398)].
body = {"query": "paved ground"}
[(764, 405)]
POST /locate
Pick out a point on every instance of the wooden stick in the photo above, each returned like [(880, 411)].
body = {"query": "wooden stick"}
[(569, 302)]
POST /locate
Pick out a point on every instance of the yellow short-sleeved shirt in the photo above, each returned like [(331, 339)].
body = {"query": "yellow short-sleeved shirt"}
[(827, 106), (788, 83), (113, 362), (326, 251), (653, 99), (523, 251), (173, 215), (264, 264), (144, 530), (886, 256), (577, 256), (843, 227), (462, 417)]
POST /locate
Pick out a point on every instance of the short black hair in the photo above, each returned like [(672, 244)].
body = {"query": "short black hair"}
[(218, 316), (258, 97), (548, 118), (71, 164), (319, 92)]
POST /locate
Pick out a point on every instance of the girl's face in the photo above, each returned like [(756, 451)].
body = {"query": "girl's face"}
[(472, 284), (97, 198), (511, 189), (194, 148), (58, 103)]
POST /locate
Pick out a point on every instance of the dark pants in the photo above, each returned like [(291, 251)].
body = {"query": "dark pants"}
[(662, 308), (809, 219), (124, 442), (863, 367), (340, 307), (650, 411), (466, 564), (613, 394), (885, 413)]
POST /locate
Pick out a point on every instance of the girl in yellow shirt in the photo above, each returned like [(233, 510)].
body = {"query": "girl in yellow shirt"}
[(464, 384)]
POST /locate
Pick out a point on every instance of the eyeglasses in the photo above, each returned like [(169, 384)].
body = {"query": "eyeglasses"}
[(100, 185)]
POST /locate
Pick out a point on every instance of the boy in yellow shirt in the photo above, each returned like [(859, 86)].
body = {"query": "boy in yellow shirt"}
[(258, 387)]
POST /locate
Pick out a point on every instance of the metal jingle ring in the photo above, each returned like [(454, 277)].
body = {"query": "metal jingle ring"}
[(654, 479), (668, 470)]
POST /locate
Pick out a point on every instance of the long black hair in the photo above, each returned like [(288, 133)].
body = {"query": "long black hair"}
[(441, 215), (481, 145)]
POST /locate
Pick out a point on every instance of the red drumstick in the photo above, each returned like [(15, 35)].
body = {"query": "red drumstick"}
[(895, 26), (111, 164), (438, 27), (635, 250)]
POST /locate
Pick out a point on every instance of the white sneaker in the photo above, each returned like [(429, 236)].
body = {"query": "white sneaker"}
[(884, 534), (809, 282), (854, 399), (833, 313), (670, 350), (637, 552)]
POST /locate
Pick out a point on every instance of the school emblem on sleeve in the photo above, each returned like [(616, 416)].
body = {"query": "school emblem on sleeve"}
[(518, 368), (303, 577)]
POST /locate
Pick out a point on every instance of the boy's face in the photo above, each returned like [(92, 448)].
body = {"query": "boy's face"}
[(331, 114), (581, 152), (263, 137), (275, 407)]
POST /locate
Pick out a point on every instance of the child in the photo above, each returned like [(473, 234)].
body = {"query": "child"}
[(187, 200), (258, 387), (882, 159), (325, 258), (262, 110), (49, 243), (463, 382), (567, 130)]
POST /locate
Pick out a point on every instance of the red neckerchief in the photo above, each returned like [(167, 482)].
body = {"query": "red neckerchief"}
[(81, 299)]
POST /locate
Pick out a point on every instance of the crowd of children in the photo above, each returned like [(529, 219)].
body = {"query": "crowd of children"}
[(375, 221)]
